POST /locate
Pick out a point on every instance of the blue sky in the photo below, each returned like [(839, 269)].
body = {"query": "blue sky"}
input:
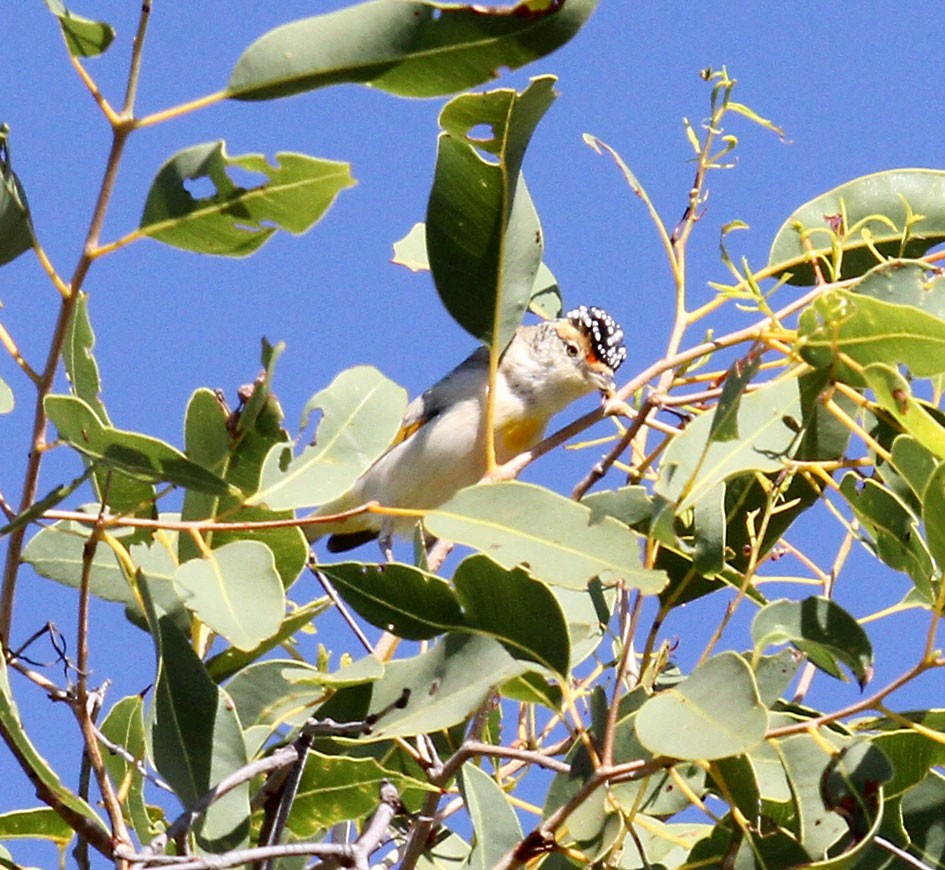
[(856, 88)]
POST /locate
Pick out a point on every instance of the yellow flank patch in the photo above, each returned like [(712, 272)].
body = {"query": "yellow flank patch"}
[(406, 431), (519, 436)]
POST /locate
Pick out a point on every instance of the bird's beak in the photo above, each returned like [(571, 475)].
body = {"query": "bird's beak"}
[(604, 381)]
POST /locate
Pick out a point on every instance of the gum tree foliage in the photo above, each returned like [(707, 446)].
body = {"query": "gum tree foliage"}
[(540, 675)]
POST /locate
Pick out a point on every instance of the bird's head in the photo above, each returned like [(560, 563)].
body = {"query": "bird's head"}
[(593, 341)]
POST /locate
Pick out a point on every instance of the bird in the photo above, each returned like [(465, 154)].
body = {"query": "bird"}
[(441, 448)]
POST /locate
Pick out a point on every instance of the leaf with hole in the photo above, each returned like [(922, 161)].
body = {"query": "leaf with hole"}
[(230, 219), (484, 239)]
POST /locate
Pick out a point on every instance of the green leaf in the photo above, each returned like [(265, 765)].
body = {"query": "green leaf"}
[(361, 414), (236, 591), (195, 737), (121, 493), (447, 683), (41, 823), (412, 49), (141, 456), (124, 726), (16, 227), (894, 395), (483, 235), (404, 600), (518, 611), (519, 522), (333, 789), (868, 331), (694, 465), (545, 297), (515, 609), (235, 221), (899, 213), (56, 552), (23, 748), (933, 515), (84, 37), (713, 713), (493, 819), (822, 629), (235, 445), (725, 418), (897, 540), (233, 660)]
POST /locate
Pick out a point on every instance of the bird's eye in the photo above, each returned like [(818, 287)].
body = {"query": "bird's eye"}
[(573, 350)]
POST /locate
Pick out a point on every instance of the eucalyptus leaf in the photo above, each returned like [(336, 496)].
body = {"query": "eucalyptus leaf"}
[(141, 456), (896, 213), (519, 522), (408, 48), (867, 330), (361, 414), (493, 819), (195, 737), (16, 227), (714, 713), (84, 37), (236, 591), (822, 629), (233, 220), (483, 235)]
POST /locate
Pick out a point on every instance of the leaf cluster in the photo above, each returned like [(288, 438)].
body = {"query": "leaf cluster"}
[(541, 665)]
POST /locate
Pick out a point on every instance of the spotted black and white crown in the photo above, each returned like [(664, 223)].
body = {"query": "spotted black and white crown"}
[(604, 332)]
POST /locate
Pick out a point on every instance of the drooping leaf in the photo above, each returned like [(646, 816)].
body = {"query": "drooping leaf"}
[(124, 727), (898, 213), (361, 414), (236, 591), (713, 713), (822, 629), (195, 737), (141, 456), (493, 819), (484, 239), (84, 37), (16, 226), (894, 528), (725, 417), (545, 297), (121, 492), (412, 49), (519, 522), (233, 220)]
